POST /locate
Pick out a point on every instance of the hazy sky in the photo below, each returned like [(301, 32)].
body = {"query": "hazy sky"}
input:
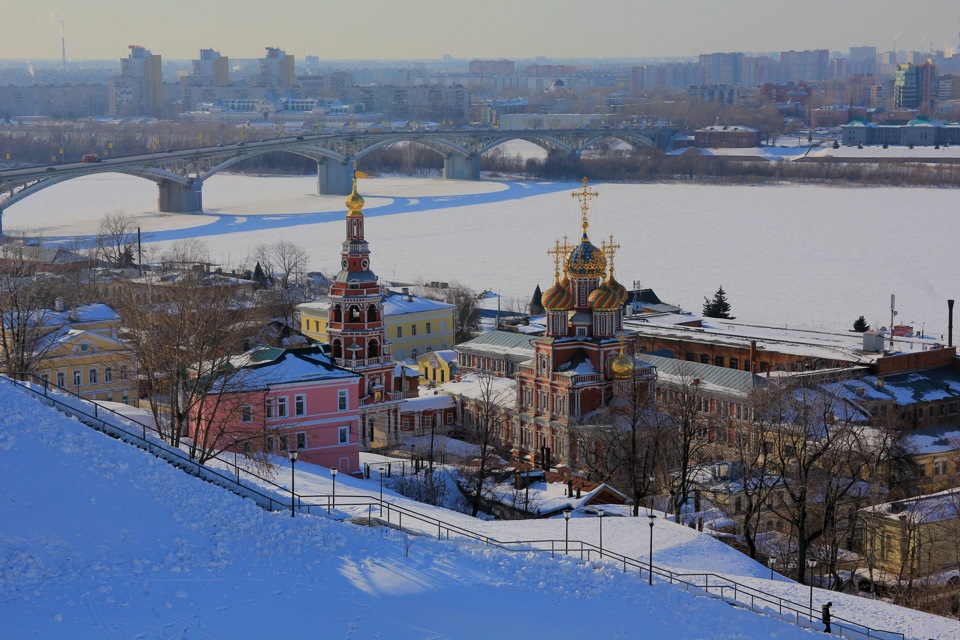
[(383, 29)]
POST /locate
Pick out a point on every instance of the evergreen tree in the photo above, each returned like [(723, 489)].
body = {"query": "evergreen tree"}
[(860, 325), (718, 307)]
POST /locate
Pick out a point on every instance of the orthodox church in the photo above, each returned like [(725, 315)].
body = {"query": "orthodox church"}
[(580, 362), (356, 334)]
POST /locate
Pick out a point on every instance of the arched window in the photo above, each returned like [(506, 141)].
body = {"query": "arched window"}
[(353, 314), (373, 350), (337, 313), (336, 349), (372, 315)]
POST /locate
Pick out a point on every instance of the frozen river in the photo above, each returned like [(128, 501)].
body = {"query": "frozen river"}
[(809, 255)]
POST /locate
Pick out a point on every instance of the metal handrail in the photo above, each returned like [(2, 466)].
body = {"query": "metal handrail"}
[(794, 611)]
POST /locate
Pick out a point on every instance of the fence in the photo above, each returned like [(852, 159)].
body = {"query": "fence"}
[(708, 584)]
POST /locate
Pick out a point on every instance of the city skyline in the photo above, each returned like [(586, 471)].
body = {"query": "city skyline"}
[(430, 29)]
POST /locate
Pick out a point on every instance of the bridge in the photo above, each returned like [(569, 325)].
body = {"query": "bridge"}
[(180, 174)]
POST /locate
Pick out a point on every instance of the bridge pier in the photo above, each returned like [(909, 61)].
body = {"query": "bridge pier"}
[(458, 167), (334, 178), (180, 198)]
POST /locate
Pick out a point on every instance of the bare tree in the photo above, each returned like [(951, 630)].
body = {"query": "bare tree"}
[(683, 402), (116, 233), (27, 301), (285, 263), (183, 337), (489, 412)]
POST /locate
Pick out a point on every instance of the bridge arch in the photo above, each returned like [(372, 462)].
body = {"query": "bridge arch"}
[(313, 152), (158, 176), (440, 145), (545, 142)]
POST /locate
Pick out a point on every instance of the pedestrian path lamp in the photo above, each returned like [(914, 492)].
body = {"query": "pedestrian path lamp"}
[(811, 564), (600, 513), (772, 562), (333, 476), (292, 454), (650, 569), (566, 537)]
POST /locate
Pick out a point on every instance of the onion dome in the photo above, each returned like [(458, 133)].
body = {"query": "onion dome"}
[(622, 367), (586, 260), (603, 298), (617, 288), (354, 201), (557, 298)]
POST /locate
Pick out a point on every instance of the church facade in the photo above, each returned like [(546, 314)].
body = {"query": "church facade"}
[(579, 361)]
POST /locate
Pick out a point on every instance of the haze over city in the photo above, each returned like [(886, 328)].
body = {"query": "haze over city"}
[(428, 29)]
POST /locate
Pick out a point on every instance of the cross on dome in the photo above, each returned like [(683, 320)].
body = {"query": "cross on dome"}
[(610, 248), (584, 195), (558, 252)]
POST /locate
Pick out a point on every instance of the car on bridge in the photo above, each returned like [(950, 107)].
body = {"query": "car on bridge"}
[(91, 157)]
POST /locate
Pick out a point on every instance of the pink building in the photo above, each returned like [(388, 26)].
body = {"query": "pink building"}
[(295, 398)]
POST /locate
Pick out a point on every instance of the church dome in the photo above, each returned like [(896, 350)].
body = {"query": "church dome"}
[(603, 298), (557, 298), (618, 289), (622, 367), (354, 201), (586, 260)]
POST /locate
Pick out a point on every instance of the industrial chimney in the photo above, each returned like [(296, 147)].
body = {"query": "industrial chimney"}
[(949, 323)]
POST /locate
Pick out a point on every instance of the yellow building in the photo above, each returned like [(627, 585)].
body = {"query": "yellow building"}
[(413, 325), (82, 353), (437, 367), (914, 537)]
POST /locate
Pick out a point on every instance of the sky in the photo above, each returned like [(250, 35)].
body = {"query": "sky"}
[(430, 29)]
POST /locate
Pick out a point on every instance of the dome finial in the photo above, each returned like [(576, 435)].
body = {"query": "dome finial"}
[(585, 195), (610, 248), (557, 252), (354, 200)]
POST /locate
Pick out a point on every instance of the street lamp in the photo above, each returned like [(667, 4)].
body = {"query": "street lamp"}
[(292, 454), (600, 513), (236, 467), (566, 517), (811, 564), (772, 562), (333, 475), (652, 518)]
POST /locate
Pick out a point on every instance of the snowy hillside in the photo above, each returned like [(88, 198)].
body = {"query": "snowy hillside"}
[(98, 539)]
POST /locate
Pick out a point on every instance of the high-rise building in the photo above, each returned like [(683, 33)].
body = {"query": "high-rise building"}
[(804, 66), (862, 61), (213, 66), (916, 87), (276, 70), (722, 68), (138, 90)]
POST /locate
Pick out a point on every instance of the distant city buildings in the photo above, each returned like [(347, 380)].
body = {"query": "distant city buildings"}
[(138, 90)]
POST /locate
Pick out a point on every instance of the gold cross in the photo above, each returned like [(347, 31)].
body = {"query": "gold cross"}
[(610, 248), (557, 252), (585, 195)]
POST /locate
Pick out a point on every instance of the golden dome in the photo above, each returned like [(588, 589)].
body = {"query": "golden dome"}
[(354, 201), (622, 367)]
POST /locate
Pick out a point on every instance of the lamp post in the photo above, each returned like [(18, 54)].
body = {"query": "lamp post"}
[(811, 564), (600, 513), (772, 562), (380, 469), (236, 467), (333, 476), (652, 518), (292, 454), (566, 536)]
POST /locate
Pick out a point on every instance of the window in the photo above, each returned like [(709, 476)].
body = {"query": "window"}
[(734, 363), (414, 353), (344, 435), (270, 444), (84, 347), (413, 330), (246, 413), (125, 399), (108, 375), (268, 405), (301, 440), (399, 332), (690, 356), (45, 377), (61, 379), (282, 407), (428, 327), (124, 372), (450, 418), (581, 331), (718, 361), (299, 405), (93, 375), (76, 378), (284, 445), (342, 400), (705, 358)]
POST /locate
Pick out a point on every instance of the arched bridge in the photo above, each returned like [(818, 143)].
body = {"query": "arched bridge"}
[(180, 174)]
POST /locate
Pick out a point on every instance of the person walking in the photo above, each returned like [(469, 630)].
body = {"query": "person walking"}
[(825, 616)]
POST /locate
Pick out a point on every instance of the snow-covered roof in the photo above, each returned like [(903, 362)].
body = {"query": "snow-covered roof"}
[(499, 342), (906, 388), (933, 440), (935, 507), (267, 366), (483, 387), (426, 403)]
